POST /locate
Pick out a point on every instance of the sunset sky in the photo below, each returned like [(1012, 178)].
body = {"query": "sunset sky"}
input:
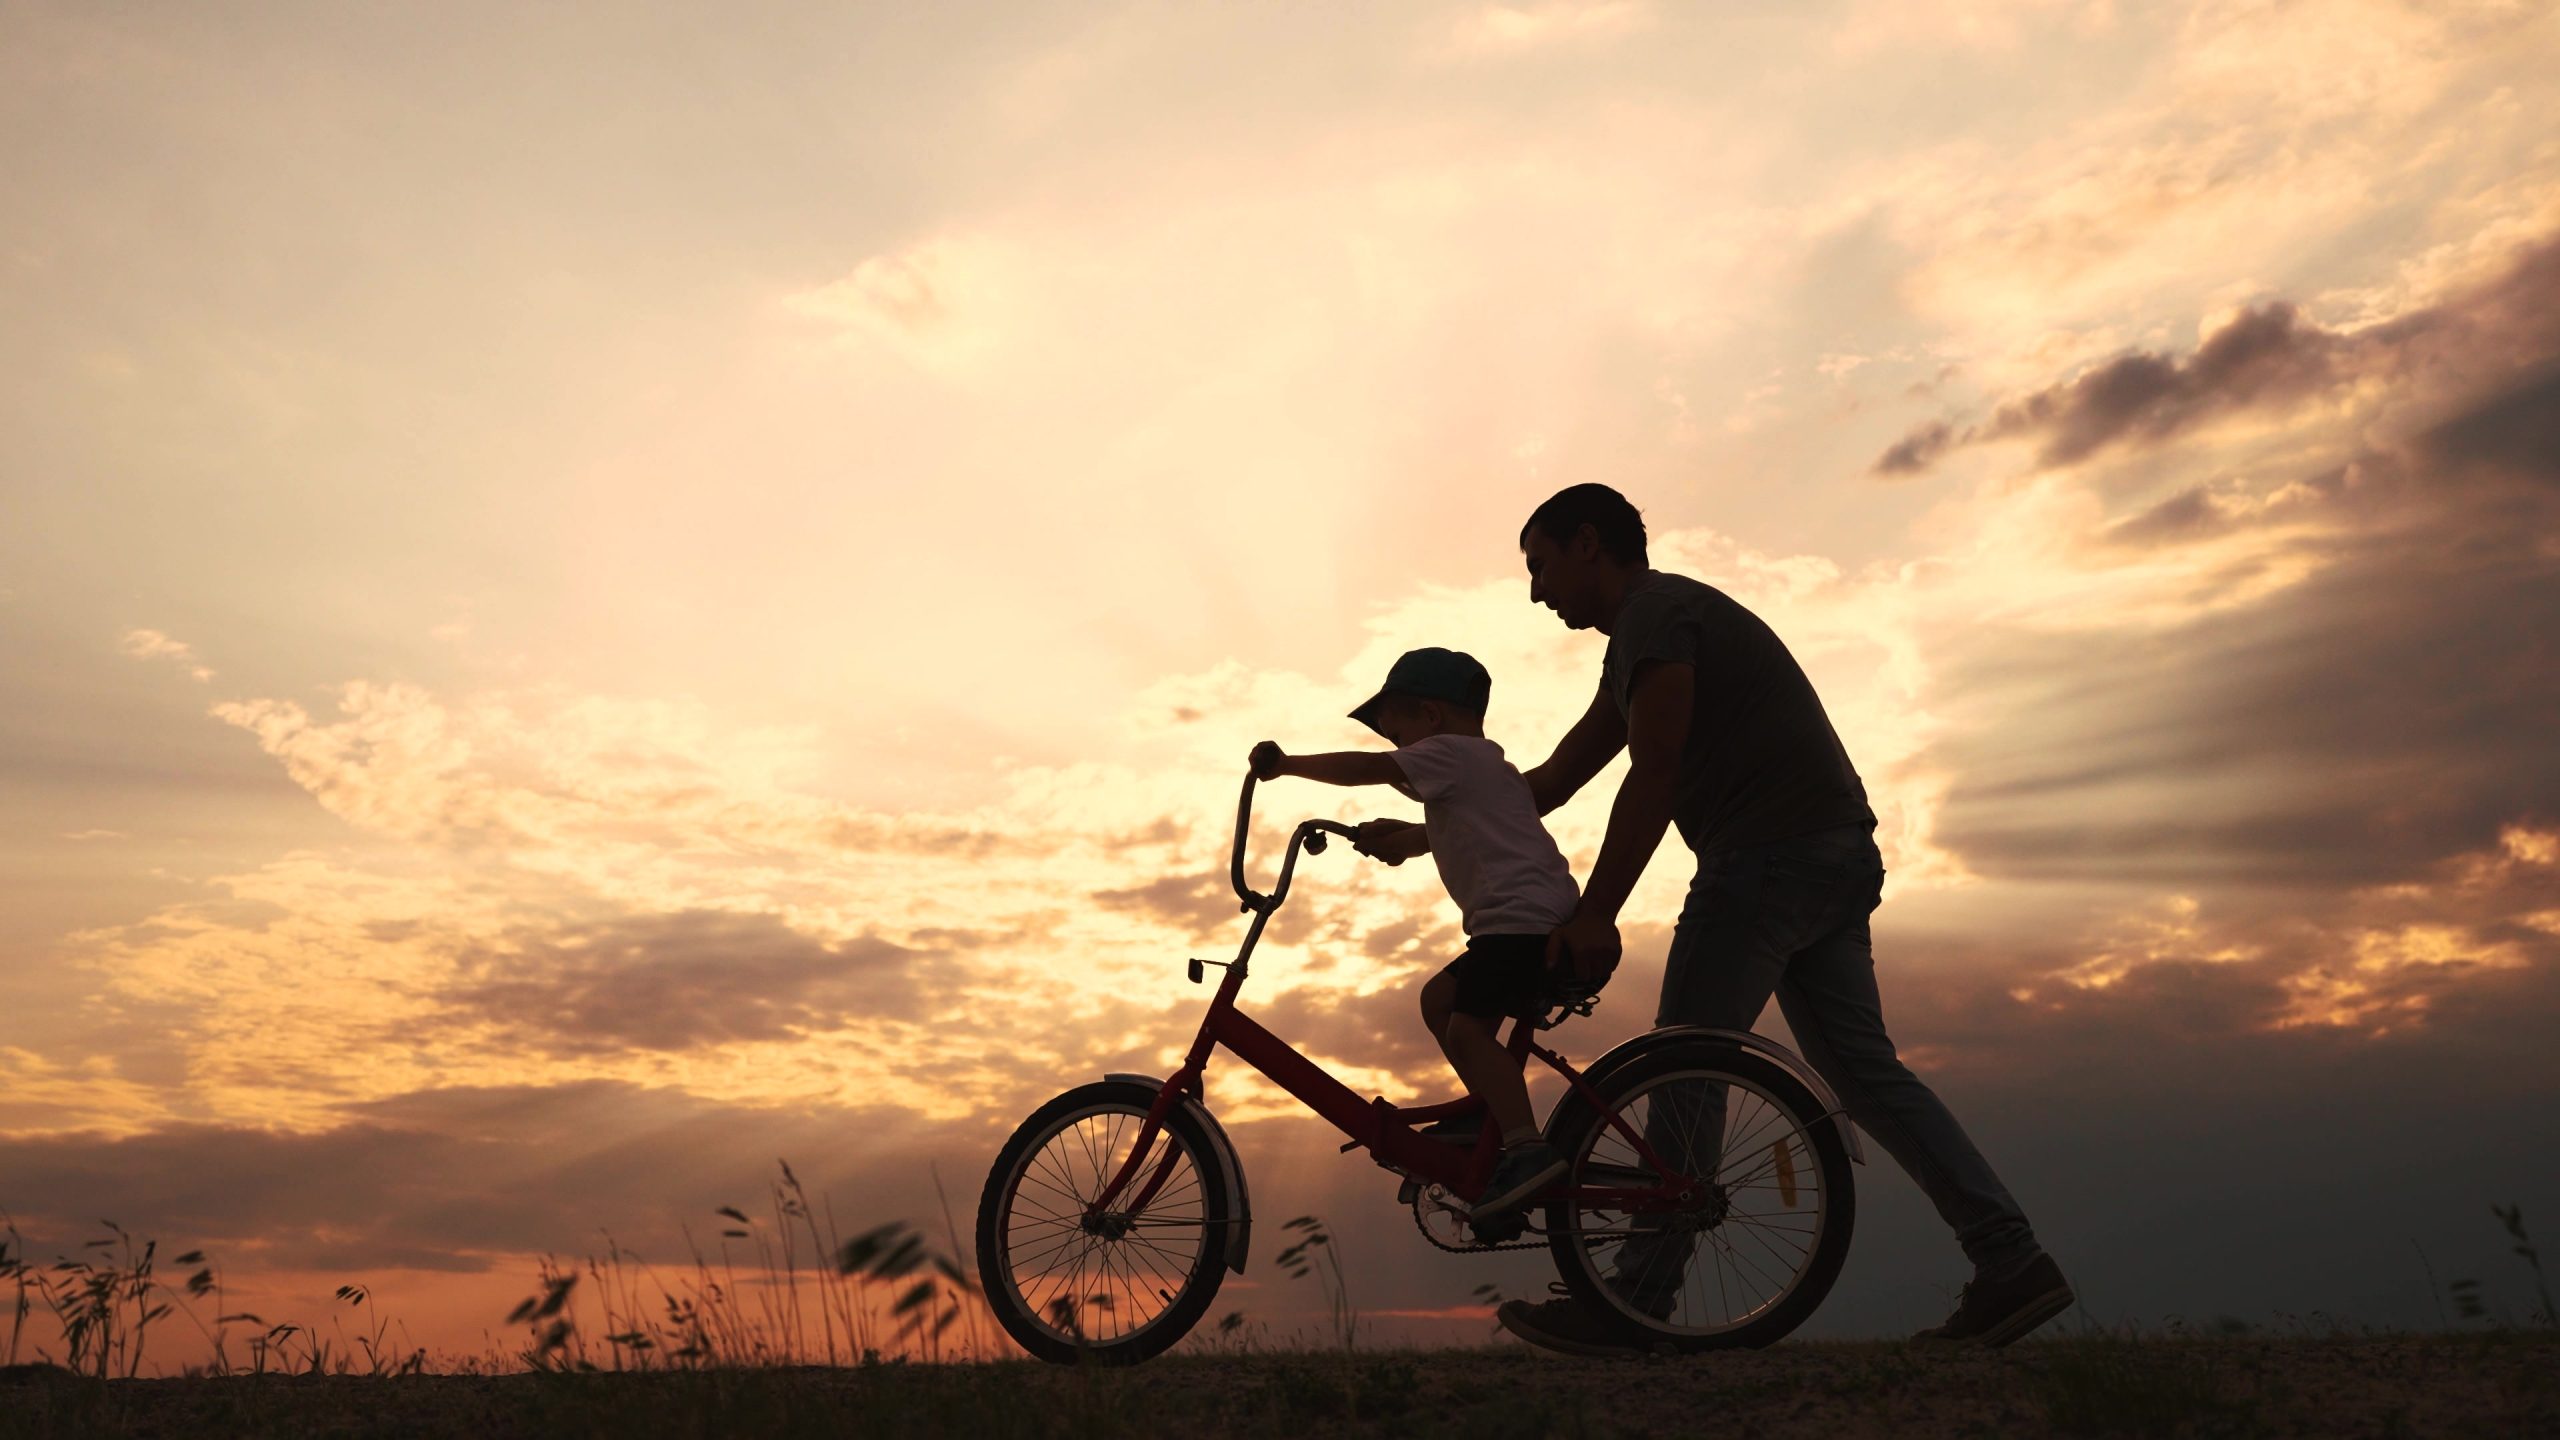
[(592, 597)]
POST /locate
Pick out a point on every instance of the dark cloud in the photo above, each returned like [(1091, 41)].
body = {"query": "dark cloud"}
[(454, 1179), (2388, 709), (2183, 1160), (2191, 514), (1198, 904), (1918, 450), (1203, 904), (675, 982), (2270, 359), (2516, 430)]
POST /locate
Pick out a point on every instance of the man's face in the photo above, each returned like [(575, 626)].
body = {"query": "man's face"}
[(1562, 575)]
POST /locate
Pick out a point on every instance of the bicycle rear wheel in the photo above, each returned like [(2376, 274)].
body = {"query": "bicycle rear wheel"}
[(1121, 1285), (1755, 1246)]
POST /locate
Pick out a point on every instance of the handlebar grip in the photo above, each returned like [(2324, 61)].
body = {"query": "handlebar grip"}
[(1244, 818)]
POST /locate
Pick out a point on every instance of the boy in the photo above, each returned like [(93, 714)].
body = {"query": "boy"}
[(1501, 867)]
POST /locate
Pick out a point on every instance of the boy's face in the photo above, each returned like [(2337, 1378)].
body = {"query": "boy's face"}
[(1404, 719), (1564, 575)]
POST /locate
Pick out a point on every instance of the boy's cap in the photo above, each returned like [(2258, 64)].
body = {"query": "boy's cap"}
[(1432, 674)]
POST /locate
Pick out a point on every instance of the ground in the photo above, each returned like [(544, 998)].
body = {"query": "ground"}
[(2487, 1385)]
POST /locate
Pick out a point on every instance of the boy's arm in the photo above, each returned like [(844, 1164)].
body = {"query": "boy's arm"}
[(1342, 767), (1592, 743), (1394, 841)]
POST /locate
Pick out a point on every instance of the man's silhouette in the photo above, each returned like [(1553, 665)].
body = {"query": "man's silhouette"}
[(1727, 740)]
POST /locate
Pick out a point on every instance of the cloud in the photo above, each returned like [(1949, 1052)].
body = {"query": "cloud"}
[(682, 980), (1200, 904), (2269, 360), (152, 645)]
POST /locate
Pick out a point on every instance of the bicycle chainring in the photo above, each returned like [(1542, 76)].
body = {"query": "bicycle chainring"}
[(1425, 1212)]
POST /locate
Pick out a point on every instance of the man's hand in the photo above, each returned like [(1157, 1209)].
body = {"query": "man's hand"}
[(1265, 760), (1586, 946), (1394, 841)]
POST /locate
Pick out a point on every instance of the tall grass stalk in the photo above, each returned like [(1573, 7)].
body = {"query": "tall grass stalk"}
[(2512, 1216), (1315, 1254)]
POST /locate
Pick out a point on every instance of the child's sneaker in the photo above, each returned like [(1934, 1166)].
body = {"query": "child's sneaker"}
[(1524, 1170), (1457, 1130)]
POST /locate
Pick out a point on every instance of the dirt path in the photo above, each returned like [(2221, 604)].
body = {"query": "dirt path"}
[(2470, 1386)]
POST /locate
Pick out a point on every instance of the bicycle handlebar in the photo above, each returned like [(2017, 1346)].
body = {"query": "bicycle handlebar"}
[(1309, 835)]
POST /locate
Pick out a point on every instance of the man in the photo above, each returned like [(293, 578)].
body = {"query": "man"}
[(1727, 740)]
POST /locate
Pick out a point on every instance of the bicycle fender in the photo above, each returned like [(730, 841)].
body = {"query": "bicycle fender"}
[(1240, 1225), (1629, 1049)]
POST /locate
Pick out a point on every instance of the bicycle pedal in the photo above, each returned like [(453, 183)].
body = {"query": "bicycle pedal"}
[(1499, 1229), (1408, 1191)]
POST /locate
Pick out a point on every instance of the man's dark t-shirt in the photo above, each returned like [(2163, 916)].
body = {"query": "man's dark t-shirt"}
[(1762, 762)]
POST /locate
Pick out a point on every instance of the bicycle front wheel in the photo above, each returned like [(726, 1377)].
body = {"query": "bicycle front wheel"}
[(1118, 1284), (1762, 1227)]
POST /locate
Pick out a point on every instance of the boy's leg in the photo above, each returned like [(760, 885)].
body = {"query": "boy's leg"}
[(1482, 1065), (1489, 1074), (1439, 999), (1499, 976), (1528, 1164)]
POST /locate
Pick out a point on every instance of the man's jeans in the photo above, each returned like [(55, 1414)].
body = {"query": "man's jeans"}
[(1791, 918)]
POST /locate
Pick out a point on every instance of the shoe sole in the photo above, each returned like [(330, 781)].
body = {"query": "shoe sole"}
[(1489, 1206), (1545, 1340), (2027, 1317)]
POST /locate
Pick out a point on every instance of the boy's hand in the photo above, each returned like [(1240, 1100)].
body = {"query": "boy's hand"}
[(1265, 760), (1394, 841)]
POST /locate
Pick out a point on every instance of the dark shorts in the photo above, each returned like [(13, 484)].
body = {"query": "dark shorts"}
[(1501, 975)]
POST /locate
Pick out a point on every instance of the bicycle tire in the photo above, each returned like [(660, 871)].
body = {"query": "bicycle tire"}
[(1034, 1320), (1576, 1129)]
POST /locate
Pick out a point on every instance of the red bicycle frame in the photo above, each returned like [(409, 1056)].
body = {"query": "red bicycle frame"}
[(1385, 1131)]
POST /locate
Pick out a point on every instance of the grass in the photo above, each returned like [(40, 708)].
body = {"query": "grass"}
[(783, 1289)]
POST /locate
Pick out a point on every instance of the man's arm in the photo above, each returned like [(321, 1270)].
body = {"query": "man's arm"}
[(1342, 767), (1657, 731), (1593, 742)]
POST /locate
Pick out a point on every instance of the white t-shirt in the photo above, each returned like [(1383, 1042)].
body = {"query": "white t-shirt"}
[(1494, 854)]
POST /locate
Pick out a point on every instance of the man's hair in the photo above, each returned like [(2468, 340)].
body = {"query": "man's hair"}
[(1620, 528)]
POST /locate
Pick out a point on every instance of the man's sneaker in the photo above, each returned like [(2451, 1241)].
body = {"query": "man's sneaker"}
[(1563, 1325), (1993, 1312), (1524, 1170)]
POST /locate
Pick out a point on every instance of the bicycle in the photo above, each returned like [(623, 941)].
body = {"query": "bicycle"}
[(1096, 1245)]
